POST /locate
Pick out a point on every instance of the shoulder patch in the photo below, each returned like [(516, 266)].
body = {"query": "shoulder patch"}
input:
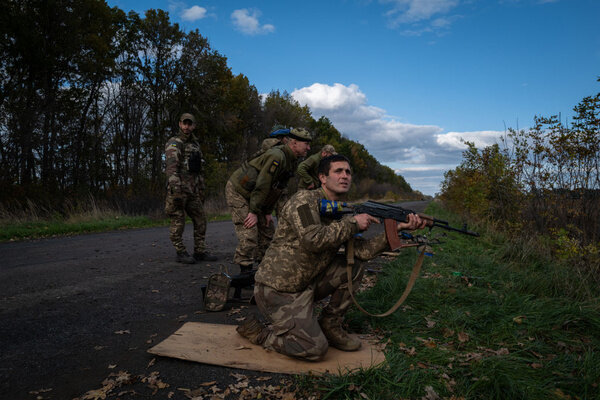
[(274, 166), (305, 215)]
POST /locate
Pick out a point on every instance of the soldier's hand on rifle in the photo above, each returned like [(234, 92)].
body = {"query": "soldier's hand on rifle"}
[(250, 220), (364, 220), (414, 222)]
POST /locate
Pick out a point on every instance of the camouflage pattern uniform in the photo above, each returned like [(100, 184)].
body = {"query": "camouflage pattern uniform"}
[(185, 185), (302, 266), (255, 187)]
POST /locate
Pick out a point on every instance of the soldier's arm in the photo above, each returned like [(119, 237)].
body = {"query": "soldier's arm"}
[(271, 167), (173, 163), (303, 172), (315, 236)]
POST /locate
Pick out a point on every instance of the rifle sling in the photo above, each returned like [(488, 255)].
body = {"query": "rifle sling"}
[(411, 281)]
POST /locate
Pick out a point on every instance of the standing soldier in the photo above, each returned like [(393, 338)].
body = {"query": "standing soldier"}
[(252, 192), (185, 190), (307, 170)]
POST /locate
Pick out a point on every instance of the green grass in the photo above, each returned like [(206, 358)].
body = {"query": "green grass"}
[(22, 230), (513, 325)]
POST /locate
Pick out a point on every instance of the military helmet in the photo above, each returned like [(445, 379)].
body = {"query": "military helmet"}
[(300, 134), (329, 149)]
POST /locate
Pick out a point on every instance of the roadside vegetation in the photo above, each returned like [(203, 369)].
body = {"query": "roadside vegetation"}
[(35, 222)]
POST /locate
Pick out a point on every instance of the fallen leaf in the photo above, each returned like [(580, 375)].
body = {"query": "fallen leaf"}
[(155, 291), (536, 365), (211, 383), (463, 337), (430, 394), (123, 332), (519, 319), (447, 332), (239, 377), (151, 363), (112, 366)]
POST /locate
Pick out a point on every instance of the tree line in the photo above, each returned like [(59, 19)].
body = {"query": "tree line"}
[(541, 182), (89, 95)]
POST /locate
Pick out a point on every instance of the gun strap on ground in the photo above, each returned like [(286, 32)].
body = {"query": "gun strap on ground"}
[(411, 281)]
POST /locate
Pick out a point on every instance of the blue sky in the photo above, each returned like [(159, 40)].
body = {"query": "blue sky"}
[(409, 78)]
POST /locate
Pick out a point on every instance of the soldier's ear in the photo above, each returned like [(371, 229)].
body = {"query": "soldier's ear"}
[(322, 178)]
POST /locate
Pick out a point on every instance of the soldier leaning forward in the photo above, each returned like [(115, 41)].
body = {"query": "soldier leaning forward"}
[(252, 192), (185, 190), (308, 169), (302, 266)]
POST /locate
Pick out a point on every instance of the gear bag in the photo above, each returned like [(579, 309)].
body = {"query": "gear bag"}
[(217, 291)]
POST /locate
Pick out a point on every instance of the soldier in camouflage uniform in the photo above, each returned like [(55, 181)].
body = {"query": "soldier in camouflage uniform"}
[(252, 192), (308, 169), (302, 266), (185, 190)]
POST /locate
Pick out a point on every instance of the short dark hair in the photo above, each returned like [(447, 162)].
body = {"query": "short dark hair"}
[(325, 163)]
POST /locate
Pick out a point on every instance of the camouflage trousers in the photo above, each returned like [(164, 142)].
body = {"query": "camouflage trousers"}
[(192, 205), (295, 329), (252, 242)]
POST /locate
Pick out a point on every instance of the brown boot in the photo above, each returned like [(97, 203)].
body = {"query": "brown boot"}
[(337, 336), (251, 329)]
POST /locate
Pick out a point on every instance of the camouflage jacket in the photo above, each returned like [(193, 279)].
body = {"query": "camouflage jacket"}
[(178, 150), (308, 172), (261, 180), (305, 243)]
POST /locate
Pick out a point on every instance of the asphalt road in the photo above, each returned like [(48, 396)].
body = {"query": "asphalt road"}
[(75, 311)]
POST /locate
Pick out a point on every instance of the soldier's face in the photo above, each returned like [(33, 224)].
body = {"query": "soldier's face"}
[(299, 147), (187, 126), (339, 179)]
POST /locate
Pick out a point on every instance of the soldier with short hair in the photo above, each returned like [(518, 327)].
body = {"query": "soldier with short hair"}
[(185, 190), (302, 266), (252, 192), (308, 169)]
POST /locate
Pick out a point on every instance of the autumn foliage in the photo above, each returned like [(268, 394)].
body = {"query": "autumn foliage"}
[(543, 181)]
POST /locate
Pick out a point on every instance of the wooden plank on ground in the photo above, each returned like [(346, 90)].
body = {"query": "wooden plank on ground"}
[(221, 345)]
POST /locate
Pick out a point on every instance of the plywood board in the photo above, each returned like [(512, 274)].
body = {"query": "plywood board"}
[(221, 345)]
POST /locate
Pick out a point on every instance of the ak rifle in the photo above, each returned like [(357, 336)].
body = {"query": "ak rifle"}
[(389, 214)]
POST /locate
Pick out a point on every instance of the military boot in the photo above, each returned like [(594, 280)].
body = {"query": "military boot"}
[(336, 335), (251, 329), (184, 258), (204, 256), (246, 269)]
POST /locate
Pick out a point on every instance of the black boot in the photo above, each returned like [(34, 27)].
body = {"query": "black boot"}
[(184, 258), (245, 269), (204, 256)]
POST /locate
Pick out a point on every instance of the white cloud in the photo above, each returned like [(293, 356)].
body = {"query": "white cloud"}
[(423, 16), (421, 152), (246, 21), (193, 13), (409, 11), (481, 139)]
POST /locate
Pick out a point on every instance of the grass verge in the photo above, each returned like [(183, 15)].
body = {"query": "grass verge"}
[(35, 229), (485, 320)]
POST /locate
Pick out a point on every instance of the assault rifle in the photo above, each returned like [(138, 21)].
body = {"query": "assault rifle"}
[(390, 215)]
